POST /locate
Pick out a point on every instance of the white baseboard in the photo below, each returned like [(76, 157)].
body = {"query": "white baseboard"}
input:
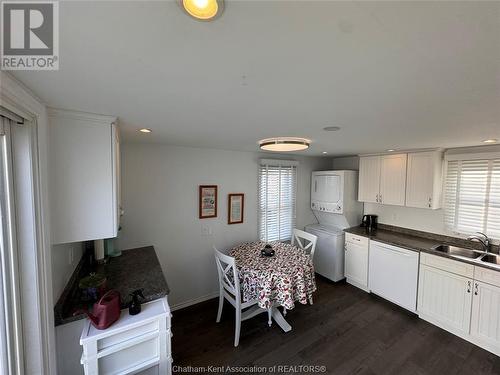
[(194, 301)]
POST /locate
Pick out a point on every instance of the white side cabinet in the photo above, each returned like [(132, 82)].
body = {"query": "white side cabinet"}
[(356, 260), (424, 179), (132, 344), (84, 176), (382, 179)]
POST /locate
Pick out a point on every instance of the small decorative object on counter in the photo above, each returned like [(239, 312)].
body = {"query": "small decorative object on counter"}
[(92, 287), (267, 251), (135, 306), (106, 311)]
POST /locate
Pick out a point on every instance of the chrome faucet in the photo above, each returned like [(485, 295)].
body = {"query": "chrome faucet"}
[(483, 239)]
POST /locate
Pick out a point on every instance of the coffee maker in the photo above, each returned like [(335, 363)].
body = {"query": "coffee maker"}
[(369, 222)]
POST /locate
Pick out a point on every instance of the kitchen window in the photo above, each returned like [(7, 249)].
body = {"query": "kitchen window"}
[(472, 194), (277, 199)]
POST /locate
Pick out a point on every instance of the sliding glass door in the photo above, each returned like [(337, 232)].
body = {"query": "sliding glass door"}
[(10, 326)]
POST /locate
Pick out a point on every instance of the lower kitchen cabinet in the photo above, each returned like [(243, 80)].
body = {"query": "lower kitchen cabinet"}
[(445, 299), (356, 260), (485, 322)]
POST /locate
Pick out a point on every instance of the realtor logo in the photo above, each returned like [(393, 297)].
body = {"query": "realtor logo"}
[(30, 35)]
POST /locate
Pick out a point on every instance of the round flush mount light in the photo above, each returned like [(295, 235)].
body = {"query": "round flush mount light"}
[(331, 128), (391, 150), (145, 130), (490, 141), (284, 144), (204, 10), (324, 153)]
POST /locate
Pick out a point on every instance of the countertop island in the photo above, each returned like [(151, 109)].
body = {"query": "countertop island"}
[(135, 269)]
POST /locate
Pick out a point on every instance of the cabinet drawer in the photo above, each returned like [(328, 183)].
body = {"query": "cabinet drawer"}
[(359, 240), (127, 335), (487, 276), (445, 264)]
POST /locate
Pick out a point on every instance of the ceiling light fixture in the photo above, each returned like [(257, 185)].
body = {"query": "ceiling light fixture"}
[(284, 144), (324, 152), (331, 128), (391, 150), (204, 10), (145, 130), (490, 141)]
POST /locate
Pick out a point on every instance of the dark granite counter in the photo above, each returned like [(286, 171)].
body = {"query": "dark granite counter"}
[(134, 269), (421, 241)]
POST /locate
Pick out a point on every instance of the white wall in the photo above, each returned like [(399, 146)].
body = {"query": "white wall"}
[(160, 198), (63, 265), (346, 162)]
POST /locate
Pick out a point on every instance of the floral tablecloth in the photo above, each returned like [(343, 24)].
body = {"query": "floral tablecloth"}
[(280, 280)]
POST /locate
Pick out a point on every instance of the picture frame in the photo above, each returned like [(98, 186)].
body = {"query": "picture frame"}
[(207, 201), (235, 208)]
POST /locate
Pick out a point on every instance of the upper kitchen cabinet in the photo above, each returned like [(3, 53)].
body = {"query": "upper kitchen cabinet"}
[(85, 176), (369, 179), (382, 179), (393, 179), (412, 179), (424, 179)]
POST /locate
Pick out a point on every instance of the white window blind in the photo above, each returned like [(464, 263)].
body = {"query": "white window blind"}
[(472, 196), (277, 199)]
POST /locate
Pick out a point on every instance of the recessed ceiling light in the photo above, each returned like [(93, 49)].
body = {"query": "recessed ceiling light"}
[(284, 144), (490, 141), (331, 128), (204, 10), (145, 130), (324, 152), (391, 150)]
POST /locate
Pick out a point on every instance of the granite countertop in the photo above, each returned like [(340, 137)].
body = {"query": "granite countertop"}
[(134, 269), (422, 242)]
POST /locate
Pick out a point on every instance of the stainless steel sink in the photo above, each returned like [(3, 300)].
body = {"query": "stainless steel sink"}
[(491, 258), (458, 251)]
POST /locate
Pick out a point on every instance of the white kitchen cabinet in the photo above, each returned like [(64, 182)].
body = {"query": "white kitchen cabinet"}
[(382, 179), (84, 176), (393, 274), (485, 321), (424, 179), (369, 179), (393, 179), (356, 260), (445, 299)]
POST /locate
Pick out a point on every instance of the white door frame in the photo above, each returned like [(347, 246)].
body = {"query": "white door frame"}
[(17, 98)]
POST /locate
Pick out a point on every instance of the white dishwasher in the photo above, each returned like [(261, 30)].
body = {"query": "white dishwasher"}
[(393, 274)]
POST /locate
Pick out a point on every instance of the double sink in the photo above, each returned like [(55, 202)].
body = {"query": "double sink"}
[(459, 252)]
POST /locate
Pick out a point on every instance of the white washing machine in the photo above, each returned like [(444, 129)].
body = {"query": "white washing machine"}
[(329, 253)]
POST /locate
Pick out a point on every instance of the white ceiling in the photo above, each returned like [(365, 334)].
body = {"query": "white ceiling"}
[(391, 75)]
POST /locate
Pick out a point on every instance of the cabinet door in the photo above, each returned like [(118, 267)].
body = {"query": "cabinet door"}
[(445, 299), (117, 175), (83, 204), (356, 263), (424, 171), (369, 179), (393, 179), (485, 324)]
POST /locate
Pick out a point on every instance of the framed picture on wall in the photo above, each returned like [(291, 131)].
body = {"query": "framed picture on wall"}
[(208, 201), (235, 208)]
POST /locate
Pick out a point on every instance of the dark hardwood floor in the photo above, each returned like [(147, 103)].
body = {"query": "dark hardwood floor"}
[(346, 330)]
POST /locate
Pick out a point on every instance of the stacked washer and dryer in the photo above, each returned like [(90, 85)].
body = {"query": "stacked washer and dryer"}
[(335, 205)]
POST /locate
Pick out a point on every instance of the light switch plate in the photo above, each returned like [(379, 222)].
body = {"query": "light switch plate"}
[(206, 230)]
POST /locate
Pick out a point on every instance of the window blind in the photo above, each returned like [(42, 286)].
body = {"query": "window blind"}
[(277, 199), (472, 196)]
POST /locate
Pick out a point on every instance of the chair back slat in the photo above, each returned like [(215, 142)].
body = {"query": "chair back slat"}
[(228, 273), (299, 239)]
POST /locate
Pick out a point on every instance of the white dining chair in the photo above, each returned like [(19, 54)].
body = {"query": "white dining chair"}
[(229, 288), (305, 241)]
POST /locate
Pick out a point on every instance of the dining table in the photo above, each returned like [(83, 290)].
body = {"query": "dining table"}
[(280, 280)]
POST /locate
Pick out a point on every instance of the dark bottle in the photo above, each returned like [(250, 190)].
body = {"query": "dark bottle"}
[(135, 306)]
